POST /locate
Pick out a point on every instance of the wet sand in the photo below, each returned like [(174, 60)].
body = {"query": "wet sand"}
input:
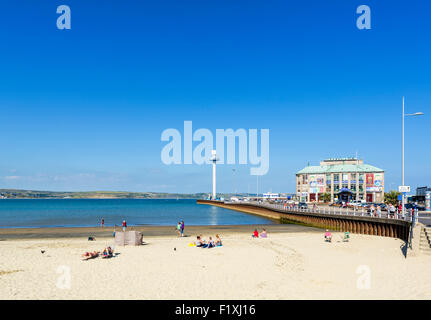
[(151, 231)]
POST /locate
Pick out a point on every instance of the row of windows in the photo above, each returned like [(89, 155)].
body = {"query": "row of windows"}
[(344, 178)]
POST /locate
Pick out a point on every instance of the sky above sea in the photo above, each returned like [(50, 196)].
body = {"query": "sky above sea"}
[(84, 109)]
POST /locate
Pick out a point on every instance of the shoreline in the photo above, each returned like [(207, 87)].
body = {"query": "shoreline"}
[(148, 231)]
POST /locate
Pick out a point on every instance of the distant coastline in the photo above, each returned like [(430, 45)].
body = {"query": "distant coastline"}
[(36, 194)]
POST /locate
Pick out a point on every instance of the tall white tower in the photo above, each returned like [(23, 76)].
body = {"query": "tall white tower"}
[(214, 160)]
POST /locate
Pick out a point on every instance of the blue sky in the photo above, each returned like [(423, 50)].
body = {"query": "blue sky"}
[(83, 109)]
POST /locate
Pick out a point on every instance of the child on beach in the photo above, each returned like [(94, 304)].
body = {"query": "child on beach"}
[(218, 241), (124, 225), (199, 241), (263, 234), (328, 236), (210, 243), (179, 229), (255, 234)]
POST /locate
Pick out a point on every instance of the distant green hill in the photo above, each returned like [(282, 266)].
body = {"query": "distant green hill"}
[(33, 194)]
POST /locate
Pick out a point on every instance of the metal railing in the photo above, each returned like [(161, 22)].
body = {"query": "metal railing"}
[(354, 212)]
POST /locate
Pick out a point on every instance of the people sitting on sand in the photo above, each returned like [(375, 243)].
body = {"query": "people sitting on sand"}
[(199, 241), (263, 234), (218, 241), (210, 243), (255, 234), (328, 236), (107, 253)]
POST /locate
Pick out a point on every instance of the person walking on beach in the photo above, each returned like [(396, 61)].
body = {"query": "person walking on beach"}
[(124, 225), (102, 223), (179, 229), (182, 228)]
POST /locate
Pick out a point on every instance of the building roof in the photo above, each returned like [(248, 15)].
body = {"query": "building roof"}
[(339, 168)]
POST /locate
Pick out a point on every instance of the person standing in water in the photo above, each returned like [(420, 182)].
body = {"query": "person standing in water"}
[(102, 223)]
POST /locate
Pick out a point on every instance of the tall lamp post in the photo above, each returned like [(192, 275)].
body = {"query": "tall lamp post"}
[(406, 115)]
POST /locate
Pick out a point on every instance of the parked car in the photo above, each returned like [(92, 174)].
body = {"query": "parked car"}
[(302, 205), (337, 203)]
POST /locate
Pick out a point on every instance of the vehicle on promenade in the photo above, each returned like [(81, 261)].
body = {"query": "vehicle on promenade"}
[(302, 205)]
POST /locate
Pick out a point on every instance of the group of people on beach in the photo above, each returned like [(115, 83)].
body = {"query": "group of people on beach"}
[(180, 228), (263, 234), (202, 243), (124, 224), (108, 252)]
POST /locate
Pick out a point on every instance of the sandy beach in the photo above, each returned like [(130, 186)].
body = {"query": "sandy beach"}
[(286, 265)]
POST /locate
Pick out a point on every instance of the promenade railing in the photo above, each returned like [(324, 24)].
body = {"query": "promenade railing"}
[(354, 212)]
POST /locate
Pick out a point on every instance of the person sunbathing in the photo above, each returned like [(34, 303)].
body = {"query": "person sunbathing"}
[(90, 255), (328, 236)]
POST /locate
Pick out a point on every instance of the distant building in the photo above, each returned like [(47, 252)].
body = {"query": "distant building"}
[(422, 191), (422, 194), (270, 195), (344, 178)]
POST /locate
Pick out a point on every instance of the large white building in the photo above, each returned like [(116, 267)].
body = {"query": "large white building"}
[(343, 178)]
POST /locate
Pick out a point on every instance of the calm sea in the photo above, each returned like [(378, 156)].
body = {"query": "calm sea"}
[(16, 213)]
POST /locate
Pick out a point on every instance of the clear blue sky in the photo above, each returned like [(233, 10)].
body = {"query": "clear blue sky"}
[(83, 109)]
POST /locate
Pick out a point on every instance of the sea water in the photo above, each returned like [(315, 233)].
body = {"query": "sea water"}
[(22, 213)]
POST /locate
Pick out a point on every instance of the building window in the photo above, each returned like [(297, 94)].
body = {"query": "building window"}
[(353, 187)]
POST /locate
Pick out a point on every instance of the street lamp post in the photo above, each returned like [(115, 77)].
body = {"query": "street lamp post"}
[(404, 194)]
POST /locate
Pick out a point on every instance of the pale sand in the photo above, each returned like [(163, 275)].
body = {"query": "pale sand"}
[(283, 266)]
